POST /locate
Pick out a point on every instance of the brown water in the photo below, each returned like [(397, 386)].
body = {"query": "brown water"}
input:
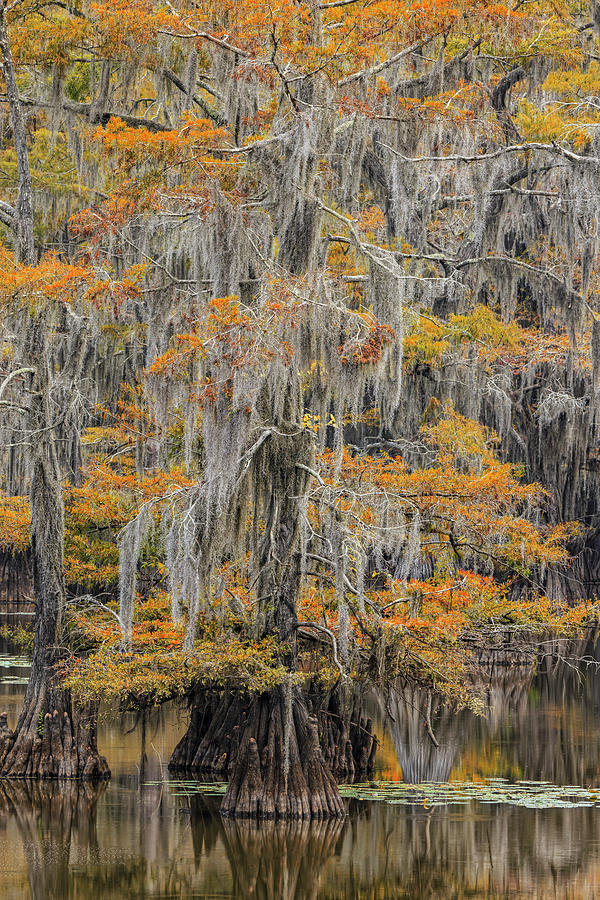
[(134, 839)]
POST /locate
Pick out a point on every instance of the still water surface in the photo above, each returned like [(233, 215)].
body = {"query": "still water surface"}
[(139, 838)]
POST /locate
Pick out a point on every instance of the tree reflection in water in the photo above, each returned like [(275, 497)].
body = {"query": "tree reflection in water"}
[(57, 823), (271, 860), (130, 840), (429, 737), (78, 849)]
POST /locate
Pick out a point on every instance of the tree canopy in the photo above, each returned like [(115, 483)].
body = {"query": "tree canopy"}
[(300, 347)]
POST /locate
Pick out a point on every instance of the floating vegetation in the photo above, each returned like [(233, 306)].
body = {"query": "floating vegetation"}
[(14, 662), (185, 788), (529, 794)]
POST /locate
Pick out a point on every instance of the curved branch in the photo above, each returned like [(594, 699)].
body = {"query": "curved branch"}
[(15, 374), (504, 85), (329, 632), (84, 109), (494, 154), (88, 598)]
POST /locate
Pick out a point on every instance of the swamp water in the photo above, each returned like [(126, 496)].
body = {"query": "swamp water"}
[(505, 807)]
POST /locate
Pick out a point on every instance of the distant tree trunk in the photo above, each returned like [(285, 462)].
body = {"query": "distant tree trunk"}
[(15, 582), (24, 208), (427, 734)]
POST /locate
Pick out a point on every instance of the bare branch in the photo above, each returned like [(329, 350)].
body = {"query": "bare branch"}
[(494, 154), (374, 70), (199, 101), (88, 598), (205, 36), (335, 3), (311, 472), (248, 456)]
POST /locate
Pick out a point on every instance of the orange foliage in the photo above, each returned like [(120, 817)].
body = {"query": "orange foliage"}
[(15, 523)]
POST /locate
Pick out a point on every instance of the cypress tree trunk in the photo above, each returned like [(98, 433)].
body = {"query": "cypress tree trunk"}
[(279, 770), (53, 737), (218, 722), (348, 743), (20, 218), (269, 746), (212, 739)]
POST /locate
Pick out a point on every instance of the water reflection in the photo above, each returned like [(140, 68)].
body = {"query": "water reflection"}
[(427, 734), (430, 738), (142, 836), (76, 844), (479, 853), (57, 827), (279, 859)]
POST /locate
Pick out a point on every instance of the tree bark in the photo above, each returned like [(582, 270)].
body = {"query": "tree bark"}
[(212, 739), (279, 770), (53, 738), (347, 740), (217, 723)]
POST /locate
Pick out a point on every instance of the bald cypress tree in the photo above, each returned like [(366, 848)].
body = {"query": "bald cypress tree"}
[(344, 246)]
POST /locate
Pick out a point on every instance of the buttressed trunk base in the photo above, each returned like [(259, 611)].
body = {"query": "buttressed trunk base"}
[(279, 770), (54, 738), (217, 723)]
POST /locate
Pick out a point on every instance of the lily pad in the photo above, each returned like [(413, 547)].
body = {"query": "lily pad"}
[(528, 794)]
